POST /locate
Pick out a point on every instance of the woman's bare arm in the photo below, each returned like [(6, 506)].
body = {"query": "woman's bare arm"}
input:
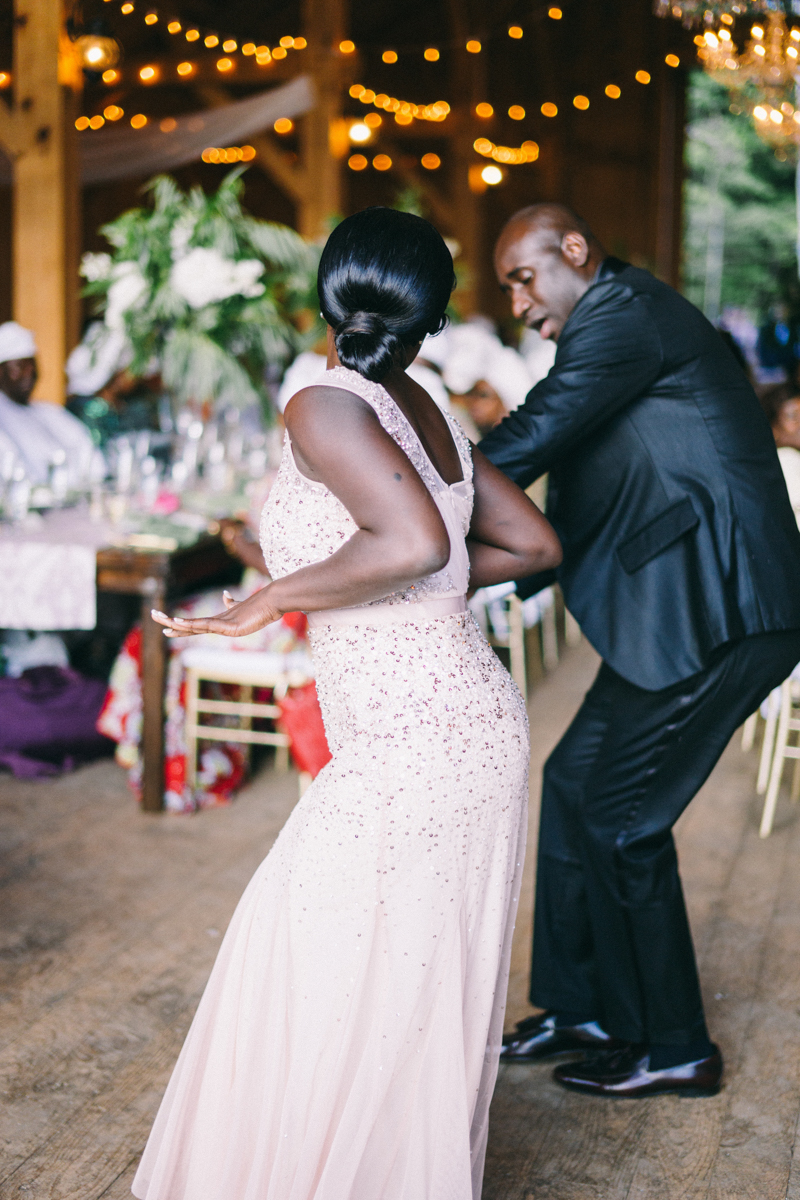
[(508, 538), (338, 441)]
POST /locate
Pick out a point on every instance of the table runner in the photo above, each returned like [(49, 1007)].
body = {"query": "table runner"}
[(48, 571)]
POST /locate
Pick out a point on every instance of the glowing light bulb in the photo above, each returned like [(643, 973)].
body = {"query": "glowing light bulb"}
[(359, 132), (492, 175)]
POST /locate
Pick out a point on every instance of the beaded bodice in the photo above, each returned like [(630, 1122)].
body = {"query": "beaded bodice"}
[(303, 522)]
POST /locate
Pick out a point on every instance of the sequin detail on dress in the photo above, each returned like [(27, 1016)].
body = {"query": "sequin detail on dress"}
[(346, 1046), (290, 541)]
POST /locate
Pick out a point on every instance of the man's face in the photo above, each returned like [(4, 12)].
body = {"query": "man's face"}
[(543, 282), (18, 378)]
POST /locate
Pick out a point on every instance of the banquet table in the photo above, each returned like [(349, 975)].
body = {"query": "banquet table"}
[(53, 567)]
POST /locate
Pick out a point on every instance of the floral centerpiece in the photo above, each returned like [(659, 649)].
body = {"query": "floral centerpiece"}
[(206, 294)]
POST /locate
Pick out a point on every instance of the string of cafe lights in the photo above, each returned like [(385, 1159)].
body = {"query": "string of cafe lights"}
[(405, 112)]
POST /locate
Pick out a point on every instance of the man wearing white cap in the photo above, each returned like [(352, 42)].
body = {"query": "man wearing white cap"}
[(43, 434)]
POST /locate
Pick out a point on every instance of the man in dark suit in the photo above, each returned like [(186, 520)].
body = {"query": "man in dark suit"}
[(682, 565)]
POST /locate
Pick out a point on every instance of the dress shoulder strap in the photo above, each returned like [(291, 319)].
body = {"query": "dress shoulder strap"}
[(350, 381), (463, 446)]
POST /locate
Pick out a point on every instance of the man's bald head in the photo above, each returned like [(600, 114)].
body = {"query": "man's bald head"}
[(546, 258), (552, 222)]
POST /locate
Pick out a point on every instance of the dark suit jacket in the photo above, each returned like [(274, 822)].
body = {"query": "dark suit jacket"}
[(665, 486)]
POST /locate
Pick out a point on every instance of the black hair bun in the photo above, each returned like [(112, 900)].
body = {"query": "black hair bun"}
[(365, 344), (384, 282)]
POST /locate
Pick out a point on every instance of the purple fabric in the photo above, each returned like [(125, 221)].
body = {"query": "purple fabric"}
[(47, 721)]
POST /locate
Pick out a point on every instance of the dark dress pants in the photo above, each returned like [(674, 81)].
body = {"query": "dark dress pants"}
[(611, 936)]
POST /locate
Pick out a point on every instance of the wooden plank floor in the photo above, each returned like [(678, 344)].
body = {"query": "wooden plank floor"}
[(111, 920)]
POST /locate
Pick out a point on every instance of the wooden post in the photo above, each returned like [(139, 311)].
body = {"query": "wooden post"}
[(39, 137), (154, 666), (315, 183), (320, 132)]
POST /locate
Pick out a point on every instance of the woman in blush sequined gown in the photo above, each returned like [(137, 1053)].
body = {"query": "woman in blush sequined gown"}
[(347, 1042)]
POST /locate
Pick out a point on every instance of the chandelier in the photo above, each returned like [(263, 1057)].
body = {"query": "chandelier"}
[(763, 79), (710, 12)]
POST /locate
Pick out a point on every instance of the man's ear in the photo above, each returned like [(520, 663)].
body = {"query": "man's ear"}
[(575, 249)]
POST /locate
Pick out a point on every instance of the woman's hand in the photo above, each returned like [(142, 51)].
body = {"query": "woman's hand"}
[(239, 619)]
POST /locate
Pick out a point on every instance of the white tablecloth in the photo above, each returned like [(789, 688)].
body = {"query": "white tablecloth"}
[(48, 571)]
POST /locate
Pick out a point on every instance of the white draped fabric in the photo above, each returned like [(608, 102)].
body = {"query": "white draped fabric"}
[(124, 153)]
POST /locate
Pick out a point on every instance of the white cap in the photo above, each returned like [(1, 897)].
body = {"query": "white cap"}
[(16, 342)]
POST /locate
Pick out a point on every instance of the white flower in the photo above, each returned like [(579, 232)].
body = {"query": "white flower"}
[(203, 277), (181, 235), (125, 293), (95, 266)]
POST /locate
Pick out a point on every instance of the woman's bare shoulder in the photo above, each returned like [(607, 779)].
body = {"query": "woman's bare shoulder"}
[(319, 400)]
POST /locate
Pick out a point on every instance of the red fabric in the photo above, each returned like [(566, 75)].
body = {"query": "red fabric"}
[(301, 720), (297, 622), (175, 772)]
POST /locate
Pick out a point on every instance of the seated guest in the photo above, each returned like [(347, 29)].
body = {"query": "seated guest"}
[(43, 434), (781, 403), (486, 378)]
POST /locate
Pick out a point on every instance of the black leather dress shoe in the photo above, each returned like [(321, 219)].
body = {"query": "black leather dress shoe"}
[(539, 1037), (626, 1072)]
